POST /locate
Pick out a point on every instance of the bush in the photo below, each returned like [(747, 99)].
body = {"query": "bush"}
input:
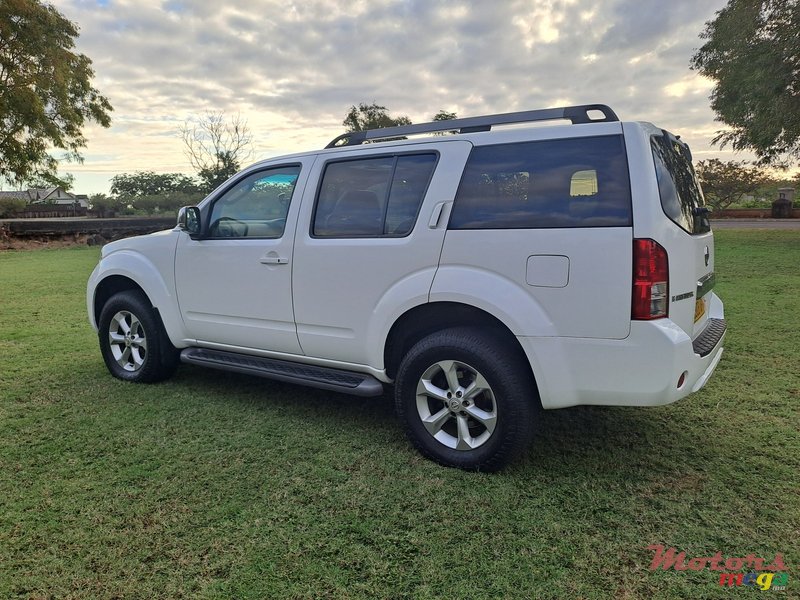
[(10, 206), (164, 204), (104, 205)]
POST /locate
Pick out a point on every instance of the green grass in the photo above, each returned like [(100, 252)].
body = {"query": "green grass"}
[(220, 486)]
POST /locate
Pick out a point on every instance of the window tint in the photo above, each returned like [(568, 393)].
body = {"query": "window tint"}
[(579, 182), (677, 184), (372, 197), (256, 206)]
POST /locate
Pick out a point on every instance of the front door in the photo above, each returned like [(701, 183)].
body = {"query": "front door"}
[(235, 284)]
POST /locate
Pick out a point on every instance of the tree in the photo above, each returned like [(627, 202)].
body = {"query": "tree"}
[(164, 203), (371, 116), (725, 183), (751, 52), (444, 115), (150, 192), (46, 92), (216, 147), (47, 180), (105, 206), (149, 183)]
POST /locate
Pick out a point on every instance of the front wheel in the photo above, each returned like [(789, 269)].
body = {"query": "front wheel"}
[(132, 340), (467, 399)]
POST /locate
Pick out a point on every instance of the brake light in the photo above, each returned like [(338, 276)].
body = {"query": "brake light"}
[(650, 281)]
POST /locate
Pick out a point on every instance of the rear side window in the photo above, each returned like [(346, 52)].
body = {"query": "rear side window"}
[(578, 182), (680, 193), (372, 197)]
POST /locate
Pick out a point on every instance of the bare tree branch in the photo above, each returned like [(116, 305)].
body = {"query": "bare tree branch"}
[(217, 146)]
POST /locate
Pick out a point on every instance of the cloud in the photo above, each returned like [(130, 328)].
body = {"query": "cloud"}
[(292, 69)]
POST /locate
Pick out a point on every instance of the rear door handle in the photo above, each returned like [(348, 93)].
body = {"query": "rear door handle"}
[(436, 215)]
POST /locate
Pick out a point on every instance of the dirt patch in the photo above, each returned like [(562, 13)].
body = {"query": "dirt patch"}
[(41, 243), (12, 242), (9, 240)]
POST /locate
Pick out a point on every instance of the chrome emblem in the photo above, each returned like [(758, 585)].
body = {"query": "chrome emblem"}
[(707, 255)]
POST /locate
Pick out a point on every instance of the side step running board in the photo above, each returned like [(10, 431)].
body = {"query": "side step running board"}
[(345, 382)]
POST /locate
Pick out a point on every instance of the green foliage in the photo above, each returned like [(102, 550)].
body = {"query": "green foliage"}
[(768, 191), (10, 206), (751, 52), (217, 485), (106, 206), (149, 183), (164, 203), (146, 192), (371, 116), (724, 183), (48, 180), (46, 95), (444, 115), (213, 176)]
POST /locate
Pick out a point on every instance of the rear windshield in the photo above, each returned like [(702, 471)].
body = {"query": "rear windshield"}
[(681, 197)]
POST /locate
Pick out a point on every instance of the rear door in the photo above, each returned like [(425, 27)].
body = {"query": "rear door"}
[(368, 243)]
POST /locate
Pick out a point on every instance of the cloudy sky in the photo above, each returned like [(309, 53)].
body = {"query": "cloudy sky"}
[(292, 69)]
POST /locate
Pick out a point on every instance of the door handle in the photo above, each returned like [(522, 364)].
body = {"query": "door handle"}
[(274, 260), (436, 215)]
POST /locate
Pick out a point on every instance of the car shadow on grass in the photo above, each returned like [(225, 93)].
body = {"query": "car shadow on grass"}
[(594, 440)]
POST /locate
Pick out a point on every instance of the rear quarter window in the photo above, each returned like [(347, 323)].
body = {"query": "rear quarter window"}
[(577, 182), (681, 197)]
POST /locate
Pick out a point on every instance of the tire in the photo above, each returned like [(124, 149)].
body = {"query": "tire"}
[(133, 342), (478, 429)]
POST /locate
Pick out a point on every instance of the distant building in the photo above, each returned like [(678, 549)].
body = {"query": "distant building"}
[(53, 195)]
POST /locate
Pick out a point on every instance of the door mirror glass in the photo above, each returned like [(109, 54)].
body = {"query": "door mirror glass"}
[(189, 219)]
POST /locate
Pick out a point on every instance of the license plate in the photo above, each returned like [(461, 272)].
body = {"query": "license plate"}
[(699, 309)]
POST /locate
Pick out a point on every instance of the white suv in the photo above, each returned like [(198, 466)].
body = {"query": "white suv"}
[(484, 273)]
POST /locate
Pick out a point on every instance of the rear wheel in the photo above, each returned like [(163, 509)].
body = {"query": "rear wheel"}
[(132, 339), (467, 399)]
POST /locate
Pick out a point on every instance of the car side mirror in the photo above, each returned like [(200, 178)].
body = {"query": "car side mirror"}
[(189, 220)]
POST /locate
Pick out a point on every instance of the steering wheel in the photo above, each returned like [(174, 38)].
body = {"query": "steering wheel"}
[(229, 227)]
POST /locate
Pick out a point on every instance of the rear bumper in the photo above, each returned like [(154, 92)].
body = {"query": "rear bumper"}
[(705, 343), (643, 369)]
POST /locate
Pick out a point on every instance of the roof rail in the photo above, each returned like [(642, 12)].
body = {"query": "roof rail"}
[(576, 114)]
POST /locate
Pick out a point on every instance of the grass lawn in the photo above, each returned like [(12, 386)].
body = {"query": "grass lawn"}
[(223, 486)]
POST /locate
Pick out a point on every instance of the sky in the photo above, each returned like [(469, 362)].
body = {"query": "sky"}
[(293, 69)]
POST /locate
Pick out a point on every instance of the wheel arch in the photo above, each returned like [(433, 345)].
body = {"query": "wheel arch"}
[(132, 270), (107, 287), (114, 284), (424, 319)]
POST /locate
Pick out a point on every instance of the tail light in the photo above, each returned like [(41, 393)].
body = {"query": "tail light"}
[(650, 281)]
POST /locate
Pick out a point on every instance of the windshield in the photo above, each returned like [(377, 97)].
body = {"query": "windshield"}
[(681, 197)]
